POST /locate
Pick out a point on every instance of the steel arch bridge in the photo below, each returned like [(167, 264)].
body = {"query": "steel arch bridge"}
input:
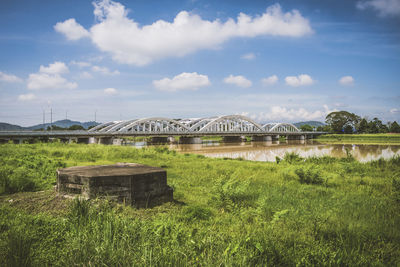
[(218, 125)]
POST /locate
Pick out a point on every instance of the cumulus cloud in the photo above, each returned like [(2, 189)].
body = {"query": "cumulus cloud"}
[(271, 80), (105, 70), (346, 80), (183, 81), (130, 43), (394, 110), (9, 78), (384, 7), (71, 29), (81, 64), (300, 80), (50, 78), (279, 113), (26, 97), (239, 80), (86, 75), (110, 91), (54, 68), (248, 56)]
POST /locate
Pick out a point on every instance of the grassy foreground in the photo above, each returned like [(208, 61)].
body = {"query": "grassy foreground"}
[(319, 211), (383, 138)]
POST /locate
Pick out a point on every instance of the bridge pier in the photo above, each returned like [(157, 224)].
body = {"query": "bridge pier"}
[(105, 140), (262, 138), (189, 140), (93, 140), (296, 137), (117, 141), (233, 139)]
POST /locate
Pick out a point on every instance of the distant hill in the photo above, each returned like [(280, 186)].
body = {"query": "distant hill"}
[(10, 127), (61, 123), (311, 123)]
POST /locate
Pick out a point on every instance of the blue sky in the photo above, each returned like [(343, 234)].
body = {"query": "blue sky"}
[(270, 60)]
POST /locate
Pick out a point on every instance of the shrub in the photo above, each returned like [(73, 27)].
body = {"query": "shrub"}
[(309, 175), (229, 193), (292, 157)]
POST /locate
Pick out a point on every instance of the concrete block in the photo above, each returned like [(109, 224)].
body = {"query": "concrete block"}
[(139, 185)]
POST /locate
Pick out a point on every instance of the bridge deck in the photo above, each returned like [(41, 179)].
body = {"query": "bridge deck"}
[(86, 134)]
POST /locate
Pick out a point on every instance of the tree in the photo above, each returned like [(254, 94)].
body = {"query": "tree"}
[(339, 119), (76, 127), (348, 129), (306, 128), (394, 127), (376, 126), (362, 127)]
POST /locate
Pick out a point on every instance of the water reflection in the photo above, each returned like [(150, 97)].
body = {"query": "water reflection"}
[(268, 151)]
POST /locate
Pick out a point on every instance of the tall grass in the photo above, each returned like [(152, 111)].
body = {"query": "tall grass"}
[(316, 211)]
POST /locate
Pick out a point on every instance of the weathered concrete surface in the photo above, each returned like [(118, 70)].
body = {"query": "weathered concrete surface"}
[(135, 184)]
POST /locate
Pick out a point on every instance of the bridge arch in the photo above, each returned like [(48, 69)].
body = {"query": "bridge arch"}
[(156, 124), (102, 126), (230, 123), (284, 127)]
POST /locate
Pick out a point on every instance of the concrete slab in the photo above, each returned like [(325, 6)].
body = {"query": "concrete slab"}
[(135, 184)]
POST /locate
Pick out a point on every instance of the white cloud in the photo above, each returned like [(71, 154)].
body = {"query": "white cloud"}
[(239, 80), (130, 43), (81, 64), (183, 81), (105, 70), (248, 56), (271, 80), (346, 80), (110, 91), (279, 113), (394, 110), (54, 68), (50, 78), (9, 78), (300, 80), (384, 7), (71, 29), (26, 97), (86, 75)]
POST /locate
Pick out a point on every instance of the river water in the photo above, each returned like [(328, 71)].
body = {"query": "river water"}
[(268, 151)]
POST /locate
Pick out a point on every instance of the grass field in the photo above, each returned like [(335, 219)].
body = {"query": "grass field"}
[(318, 211), (360, 138)]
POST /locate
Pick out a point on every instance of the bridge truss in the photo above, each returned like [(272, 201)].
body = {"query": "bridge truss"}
[(222, 124)]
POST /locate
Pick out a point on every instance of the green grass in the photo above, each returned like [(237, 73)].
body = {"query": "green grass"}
[(360, 138), (316, 211)]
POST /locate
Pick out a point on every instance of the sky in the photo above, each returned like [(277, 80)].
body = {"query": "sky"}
[(273, 61)]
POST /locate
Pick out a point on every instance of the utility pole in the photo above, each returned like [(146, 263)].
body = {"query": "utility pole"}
[(51, 119), (44, 118), (66, 114), (95, 115)]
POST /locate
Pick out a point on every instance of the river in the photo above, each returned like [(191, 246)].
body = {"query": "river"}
[(268, 151)]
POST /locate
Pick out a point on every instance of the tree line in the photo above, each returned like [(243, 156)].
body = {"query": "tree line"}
[(348, 123)]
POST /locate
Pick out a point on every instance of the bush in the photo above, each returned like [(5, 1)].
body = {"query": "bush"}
[(292, 157), (230, 193), (309, 175)]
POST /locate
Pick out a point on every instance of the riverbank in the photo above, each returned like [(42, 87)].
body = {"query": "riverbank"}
[(318, 211), (385, 138)]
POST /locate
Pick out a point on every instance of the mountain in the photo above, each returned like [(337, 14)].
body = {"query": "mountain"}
[(311, 123), (61, 123), (64, 124), (10, 127)]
